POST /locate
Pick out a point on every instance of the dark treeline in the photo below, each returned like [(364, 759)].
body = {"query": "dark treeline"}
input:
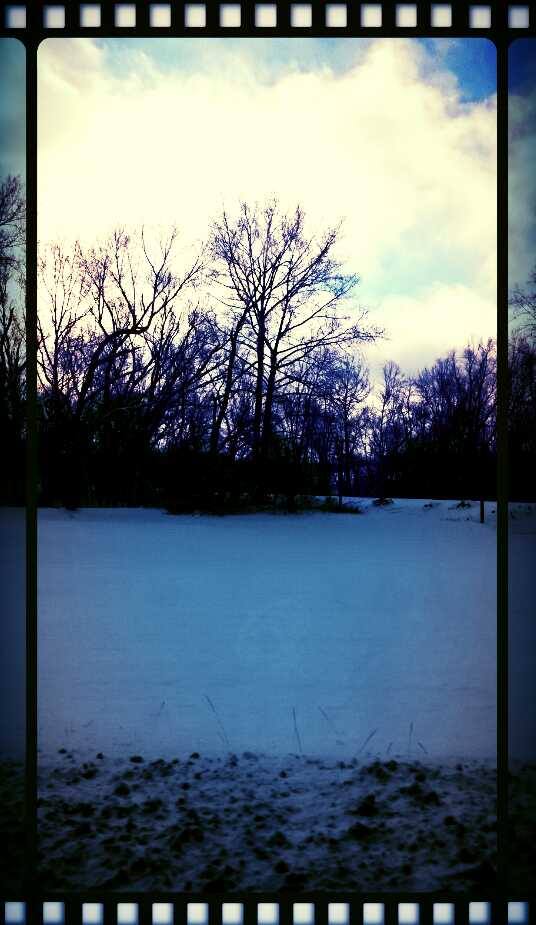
[(236, 375), (522, 394), (12, 342)]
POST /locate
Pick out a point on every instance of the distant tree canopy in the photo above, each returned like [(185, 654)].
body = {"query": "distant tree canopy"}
[(236, 375), (522, 393), (523, 305)]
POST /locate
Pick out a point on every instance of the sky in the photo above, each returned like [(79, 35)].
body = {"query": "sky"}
[(521, 161), (13, 120), (395, 137), (12, 107)]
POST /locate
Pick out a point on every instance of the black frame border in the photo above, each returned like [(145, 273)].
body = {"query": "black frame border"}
[(31, 36)]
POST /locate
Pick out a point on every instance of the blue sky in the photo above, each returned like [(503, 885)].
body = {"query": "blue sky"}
[(522, 66), (395, 137), (472, 61), (12, 106)]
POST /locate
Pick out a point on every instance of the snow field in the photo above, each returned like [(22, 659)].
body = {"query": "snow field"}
[(162, 634)]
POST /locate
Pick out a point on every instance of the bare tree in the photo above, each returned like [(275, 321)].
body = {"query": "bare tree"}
[(12, 221), (182, 350), (12, 383), (304, 415), (62, 310), (386, 430), (523, 303), (12, 344), (522, 375), (456, 408), (459, 396), (285, 290), (119, 340), (100, 310), (522, 391), (12, 336), (521, 415), (349, 388), (229, 377), (262, 393)]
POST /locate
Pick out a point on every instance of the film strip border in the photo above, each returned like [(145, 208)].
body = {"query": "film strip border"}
[(387, 912), (266, 18), (147, 912)]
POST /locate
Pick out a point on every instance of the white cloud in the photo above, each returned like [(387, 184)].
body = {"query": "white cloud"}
[(426, 326), (410, 167)]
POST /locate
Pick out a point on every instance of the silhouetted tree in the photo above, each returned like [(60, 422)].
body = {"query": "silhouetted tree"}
[(522, 416), (116, 355), (522, 391), (12, 340), (285, 290), (523, 305), (347, 388), (387, 432), (456, 416), (237, 379), (12, 222)]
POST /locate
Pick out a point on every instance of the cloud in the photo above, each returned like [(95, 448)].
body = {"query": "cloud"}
[(424, 327), (12, 107), (521, 187), (388, 145)]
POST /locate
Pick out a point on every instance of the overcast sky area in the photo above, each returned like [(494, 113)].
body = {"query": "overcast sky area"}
[(13, 118), (397, 137), (12, 107), (522, 160)]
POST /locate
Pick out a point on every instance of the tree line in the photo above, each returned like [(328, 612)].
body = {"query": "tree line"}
[(234, 376), (12, 341), (522, 392)]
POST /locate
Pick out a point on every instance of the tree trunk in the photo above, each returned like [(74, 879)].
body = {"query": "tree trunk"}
[(259, 391), (268, 410), (216, 427)]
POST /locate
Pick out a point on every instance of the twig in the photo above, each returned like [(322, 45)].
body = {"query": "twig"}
[(296, 731), (218, 720), (367, 740), (389, 747), (423, 748), (409, 738), (330, 721)]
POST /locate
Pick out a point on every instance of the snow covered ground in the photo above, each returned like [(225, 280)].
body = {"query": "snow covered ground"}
[(522, 696), (281, 702), (166, 634), (254, 822), (522, 632)]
